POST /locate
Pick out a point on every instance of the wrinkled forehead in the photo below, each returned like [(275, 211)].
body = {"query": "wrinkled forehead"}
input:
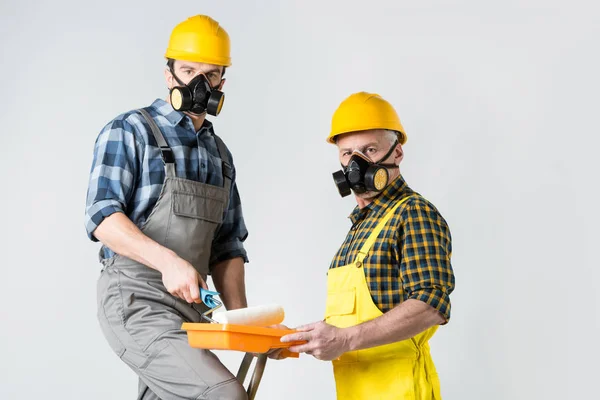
[(361, 140)]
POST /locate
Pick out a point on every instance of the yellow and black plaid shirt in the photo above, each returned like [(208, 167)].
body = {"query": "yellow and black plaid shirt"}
[(411, 257)]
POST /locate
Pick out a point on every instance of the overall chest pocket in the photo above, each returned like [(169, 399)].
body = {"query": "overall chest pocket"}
[(198, 206), (194, 220), (340, 308)]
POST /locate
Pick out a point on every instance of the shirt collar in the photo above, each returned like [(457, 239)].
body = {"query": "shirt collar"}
[(175, 117), (382, 201), (166, 110)]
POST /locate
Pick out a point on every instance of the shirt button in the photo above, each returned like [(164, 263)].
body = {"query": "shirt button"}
[(202, 165)]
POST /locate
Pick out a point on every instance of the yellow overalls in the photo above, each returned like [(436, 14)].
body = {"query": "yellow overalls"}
[(401, 370)]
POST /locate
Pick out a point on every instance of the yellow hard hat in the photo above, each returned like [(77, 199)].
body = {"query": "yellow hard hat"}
[(200, 39), (363, 111)]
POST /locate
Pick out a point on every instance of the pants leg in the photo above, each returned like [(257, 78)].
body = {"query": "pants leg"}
[(144, 392), (176, 371), (142, 323)]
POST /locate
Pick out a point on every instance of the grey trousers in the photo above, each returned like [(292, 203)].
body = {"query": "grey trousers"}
[(142, 323)]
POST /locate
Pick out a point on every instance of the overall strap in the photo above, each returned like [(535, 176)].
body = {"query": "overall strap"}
[(362, 253), (227, 167), (165, 151)]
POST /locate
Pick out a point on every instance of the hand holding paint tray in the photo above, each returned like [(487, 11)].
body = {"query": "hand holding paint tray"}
[(248, 329)]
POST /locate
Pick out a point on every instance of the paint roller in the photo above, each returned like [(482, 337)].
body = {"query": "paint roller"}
[(262, 316)]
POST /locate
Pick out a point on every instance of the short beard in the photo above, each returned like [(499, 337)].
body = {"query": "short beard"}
[(367, 195)]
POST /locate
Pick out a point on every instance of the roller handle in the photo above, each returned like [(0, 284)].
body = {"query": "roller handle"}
[(207, 298)]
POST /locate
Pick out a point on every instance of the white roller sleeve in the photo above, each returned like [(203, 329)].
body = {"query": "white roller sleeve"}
[(269, 314)]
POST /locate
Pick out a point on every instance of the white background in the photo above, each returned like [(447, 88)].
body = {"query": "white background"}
[(500, 104)]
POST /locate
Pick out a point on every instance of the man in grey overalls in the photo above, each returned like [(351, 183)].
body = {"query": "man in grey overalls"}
[(163, 201)]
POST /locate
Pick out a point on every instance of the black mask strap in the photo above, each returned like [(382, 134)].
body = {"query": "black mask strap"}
[(176, 78), (389, 153)]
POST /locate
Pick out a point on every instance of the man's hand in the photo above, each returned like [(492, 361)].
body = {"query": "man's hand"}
[(325, 342), (277, 354), (404, 321), (182, 280), (121, 235)]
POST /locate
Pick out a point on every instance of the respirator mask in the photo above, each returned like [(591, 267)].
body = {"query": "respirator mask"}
[(363, 175), (198, 96)]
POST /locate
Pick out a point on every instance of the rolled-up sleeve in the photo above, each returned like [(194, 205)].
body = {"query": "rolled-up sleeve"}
[(229, 238), (112, 175), (426, 267)]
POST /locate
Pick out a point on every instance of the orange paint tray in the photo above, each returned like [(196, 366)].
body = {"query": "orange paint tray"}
[(249, 339)]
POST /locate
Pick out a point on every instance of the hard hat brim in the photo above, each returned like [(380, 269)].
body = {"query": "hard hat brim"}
[(401, 134), (184, 56)]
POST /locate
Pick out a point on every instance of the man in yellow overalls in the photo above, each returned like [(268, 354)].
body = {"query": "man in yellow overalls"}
[(389, 284)]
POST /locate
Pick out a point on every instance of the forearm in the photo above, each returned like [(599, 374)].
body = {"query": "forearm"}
[(123, 237), (402, 322), (229, 279)]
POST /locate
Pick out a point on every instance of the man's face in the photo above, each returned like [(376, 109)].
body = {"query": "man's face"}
[(374, 144), (187, 70)]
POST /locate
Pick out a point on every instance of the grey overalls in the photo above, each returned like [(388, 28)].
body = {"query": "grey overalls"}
[(140, 319)]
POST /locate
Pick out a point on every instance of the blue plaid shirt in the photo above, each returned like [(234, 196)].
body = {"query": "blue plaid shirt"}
[(127, 173)]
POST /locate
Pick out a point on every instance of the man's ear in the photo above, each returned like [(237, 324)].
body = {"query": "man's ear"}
[(398, 154), (169, 78)]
